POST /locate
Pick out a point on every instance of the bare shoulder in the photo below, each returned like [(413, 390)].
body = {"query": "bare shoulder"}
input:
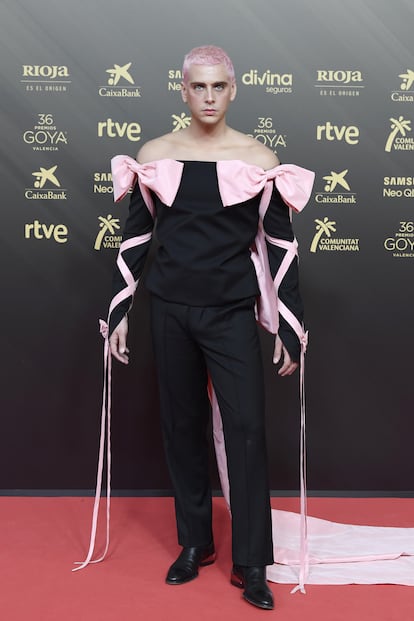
[(156, 149), (257, 153)]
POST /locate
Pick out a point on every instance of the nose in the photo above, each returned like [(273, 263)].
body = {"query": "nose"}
[(209, 94)]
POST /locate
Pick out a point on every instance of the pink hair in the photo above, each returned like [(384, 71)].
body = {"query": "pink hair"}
[(208, 55)]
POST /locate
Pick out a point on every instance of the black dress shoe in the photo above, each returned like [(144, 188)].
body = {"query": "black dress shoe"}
[(185, 568), (253, 581)]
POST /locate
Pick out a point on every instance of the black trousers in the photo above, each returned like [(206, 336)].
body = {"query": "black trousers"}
[(192, 343)]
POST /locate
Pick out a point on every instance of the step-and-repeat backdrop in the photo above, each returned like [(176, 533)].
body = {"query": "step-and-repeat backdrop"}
[(328, 85)]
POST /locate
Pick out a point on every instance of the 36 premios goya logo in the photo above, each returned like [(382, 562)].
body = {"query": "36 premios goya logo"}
[(405, 93), (270, 82), (45, 135), (120, 83), (336, 190), (398, 186), (401, 243), (398, 140), (268, 135), (45, 184), (45, 78), (107, 237), (323, 240), (339, 82)]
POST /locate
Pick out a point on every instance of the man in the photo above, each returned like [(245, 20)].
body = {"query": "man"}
[(205, 185)]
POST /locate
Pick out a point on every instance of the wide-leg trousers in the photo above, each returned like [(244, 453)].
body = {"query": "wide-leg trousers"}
[(191, 344)]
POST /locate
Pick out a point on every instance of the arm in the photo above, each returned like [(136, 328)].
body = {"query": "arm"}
[(136, 240), (278, 228)]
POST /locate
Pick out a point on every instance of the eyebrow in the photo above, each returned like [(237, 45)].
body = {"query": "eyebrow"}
[(199, 83)]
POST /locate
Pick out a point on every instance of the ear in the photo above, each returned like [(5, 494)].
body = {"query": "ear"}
[(184, 92), (233, 90)]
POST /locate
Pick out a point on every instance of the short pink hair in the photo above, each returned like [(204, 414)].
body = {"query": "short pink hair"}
[(208, 55)]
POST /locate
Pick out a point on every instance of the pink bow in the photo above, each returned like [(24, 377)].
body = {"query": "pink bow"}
[(161, 176), (239, 182)]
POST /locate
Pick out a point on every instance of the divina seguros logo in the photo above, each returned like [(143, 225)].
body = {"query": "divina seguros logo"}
[(274, 83), (120, 74)]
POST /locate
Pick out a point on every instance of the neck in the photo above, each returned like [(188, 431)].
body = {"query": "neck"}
[(208, 133)]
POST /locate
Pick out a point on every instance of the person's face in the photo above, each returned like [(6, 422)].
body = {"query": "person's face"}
[(208, 92)]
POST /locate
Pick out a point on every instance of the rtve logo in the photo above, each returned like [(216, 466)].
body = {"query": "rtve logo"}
[(331, 132), (36, 230), (114, 129)]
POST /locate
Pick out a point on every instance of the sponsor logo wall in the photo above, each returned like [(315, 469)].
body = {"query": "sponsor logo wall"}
[(72, 105)]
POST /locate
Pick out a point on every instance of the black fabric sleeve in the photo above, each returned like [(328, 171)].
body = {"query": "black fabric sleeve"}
[(277, 224), (139, 222)]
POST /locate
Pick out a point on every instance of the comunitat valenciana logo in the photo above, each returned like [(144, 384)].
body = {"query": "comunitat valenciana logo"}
[(339, 82), (120, 83), (267, 134), (119, 129), (39, 231), (406, 91), (45, 78), (401, 243), (45, 135), (337, 190), (44, 179), (340, 133), (398, 187), (274, 83), (397, 139), (180, 121), (175, 77), (107, 237), (324, 241)]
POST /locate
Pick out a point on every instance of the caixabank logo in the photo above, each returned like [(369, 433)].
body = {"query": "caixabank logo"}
[(266, 133), (405, 93), (324, 241), (336, 190), (271, 82), (108, 235), (400, 244), (46, 186), (119, 129), (398, 138), (400, 186), (339, 82), (45, 78), (340, 133), (120, 83), (45, 134)]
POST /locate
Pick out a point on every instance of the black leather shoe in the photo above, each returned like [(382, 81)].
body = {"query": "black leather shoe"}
[(253, 581), (185, 568)]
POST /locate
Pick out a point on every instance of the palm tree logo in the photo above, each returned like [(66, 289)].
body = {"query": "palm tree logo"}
[(322, 227), (107, 225), (397, 127), (180, 122)]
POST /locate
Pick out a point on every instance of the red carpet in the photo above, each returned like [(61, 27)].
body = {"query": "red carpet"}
[(40, 538)]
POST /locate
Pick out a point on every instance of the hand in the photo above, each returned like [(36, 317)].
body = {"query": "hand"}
[(288, 366), (117, 341)]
